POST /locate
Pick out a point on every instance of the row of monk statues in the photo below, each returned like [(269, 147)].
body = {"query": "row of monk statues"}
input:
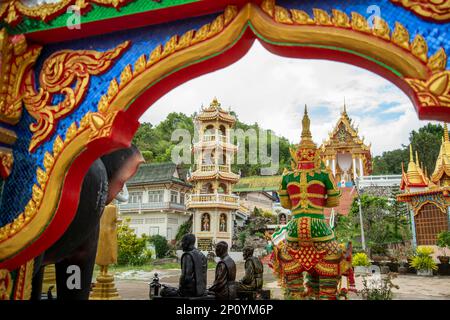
[(194, 267)]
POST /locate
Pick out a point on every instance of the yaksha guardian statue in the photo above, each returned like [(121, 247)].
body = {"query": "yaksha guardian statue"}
[(307, 243)]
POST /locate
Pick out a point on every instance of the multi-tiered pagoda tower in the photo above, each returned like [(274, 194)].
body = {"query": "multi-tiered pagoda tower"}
[(212, 202), (345, 153)]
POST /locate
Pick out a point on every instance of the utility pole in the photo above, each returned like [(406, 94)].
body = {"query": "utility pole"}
[(363, 240)]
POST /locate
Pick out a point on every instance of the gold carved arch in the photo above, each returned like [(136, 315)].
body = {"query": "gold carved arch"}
[(270, 23), (440, 206)]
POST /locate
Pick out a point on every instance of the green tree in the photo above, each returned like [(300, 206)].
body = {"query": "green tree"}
[(161, 245), (131, 248), (156, 145), (426, 140), (385, 221), (184, 229)]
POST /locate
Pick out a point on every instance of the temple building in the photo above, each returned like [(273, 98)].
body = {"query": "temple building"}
[(212, 202), (428, 197), (156, 203), (345, 153)]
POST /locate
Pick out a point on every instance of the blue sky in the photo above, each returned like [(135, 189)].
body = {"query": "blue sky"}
[(272, 90)]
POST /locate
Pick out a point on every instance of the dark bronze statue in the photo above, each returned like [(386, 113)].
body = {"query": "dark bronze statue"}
[(224, 287), (194, 267), (253, 278)]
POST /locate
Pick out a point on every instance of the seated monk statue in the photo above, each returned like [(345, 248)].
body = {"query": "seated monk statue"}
[(224, 287), (253, 278), (194, 267)]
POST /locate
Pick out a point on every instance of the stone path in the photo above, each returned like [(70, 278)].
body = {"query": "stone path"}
[(134, 285)]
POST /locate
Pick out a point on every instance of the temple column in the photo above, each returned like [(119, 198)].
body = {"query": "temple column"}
[(354, 167), (361, 167), (333, 166), (413, 226)]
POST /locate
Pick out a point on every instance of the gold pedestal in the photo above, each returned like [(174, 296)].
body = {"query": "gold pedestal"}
[(104, 288), (49, 278)]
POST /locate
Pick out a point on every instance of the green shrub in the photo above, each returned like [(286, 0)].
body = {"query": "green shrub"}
[(184, 229), (443, 241), (360, 260), (161, 245), (132, 250), (422, 259)]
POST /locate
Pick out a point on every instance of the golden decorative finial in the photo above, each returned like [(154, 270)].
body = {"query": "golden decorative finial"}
[(411, 159), (306, 138), (445, 132), (306, 133), (345, 107), (215, 103)]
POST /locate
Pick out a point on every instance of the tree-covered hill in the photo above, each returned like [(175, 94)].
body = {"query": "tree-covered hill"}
[(156, 145), (426, 140)]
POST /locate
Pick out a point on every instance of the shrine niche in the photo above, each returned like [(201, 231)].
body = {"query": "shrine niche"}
[(119, 62), (206, 222)]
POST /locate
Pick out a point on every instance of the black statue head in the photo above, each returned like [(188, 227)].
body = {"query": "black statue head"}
[(188, 242), (221, 249), (247, 252), (120, 166)]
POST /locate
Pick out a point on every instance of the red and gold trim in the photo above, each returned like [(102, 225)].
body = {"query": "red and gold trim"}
[(291, 33), (65, 72), (12, 11), (16, 58), (6, 284)]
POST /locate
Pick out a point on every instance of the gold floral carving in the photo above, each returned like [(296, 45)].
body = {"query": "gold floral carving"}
[(6, 284), (173, 45), (22, 290), (438, 10), (94, 125), (65, 72), (16, 58), (432, 91), (12, 11), (6, 162)]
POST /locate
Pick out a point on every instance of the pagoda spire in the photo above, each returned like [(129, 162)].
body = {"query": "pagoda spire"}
[(411, 158), (306, 137), (417, 159), (446, 133), (345, 106)]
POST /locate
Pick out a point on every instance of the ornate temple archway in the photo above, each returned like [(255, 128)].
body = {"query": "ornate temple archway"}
[(69, 136)]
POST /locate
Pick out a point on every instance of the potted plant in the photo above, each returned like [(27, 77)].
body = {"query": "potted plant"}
[(443, 242), (360, 262), (400, 256), (423, 262)]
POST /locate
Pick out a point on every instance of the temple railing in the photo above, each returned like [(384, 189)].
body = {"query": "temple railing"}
[(212, 199), (140, 206), (212, 168), (378, 181)]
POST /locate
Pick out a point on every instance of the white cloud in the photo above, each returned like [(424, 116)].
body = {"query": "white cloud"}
[(272, 91)]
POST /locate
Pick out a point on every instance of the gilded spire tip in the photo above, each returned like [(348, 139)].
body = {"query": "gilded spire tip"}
[(446, 132), (411, 159)]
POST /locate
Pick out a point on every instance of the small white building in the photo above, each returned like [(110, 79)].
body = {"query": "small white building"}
[(156, 204)]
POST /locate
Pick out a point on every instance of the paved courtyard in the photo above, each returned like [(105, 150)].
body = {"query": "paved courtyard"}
[(134, 284)]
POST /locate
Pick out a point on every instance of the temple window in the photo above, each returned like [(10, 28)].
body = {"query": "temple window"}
[(429, 222)]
